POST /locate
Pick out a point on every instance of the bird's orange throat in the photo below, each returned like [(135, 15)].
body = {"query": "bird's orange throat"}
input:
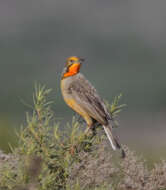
[(72, 70)]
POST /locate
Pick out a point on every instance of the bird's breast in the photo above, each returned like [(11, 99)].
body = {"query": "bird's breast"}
[(65, 87)]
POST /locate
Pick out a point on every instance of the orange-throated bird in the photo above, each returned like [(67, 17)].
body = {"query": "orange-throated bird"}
[(83, 98)]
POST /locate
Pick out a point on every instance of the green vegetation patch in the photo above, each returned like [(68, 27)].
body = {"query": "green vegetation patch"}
[(48, 158)]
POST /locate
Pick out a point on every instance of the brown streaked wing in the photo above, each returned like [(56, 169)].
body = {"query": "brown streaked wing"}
[(86, 96)]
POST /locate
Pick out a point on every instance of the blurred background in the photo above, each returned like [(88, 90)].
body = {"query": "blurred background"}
[(123, 42)]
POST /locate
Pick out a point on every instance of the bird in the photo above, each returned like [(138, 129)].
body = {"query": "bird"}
[(80, 95)]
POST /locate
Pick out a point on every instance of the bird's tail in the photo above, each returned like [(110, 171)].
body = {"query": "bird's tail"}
[(113, 139)]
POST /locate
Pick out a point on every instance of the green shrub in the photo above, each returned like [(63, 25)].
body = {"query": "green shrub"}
[(48, 158)]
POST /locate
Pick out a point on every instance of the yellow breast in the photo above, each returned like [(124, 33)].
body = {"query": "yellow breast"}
[(71, 102)]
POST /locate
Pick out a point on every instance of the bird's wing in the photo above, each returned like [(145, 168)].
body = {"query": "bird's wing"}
[(86, 96)]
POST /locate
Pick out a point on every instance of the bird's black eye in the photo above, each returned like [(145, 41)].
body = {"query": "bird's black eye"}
[(71, 61)]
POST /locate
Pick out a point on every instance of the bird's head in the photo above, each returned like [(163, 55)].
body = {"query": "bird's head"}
[(72, 66)]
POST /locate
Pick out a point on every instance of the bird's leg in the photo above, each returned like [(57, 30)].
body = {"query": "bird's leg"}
[(91, 130), (92, 126)]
